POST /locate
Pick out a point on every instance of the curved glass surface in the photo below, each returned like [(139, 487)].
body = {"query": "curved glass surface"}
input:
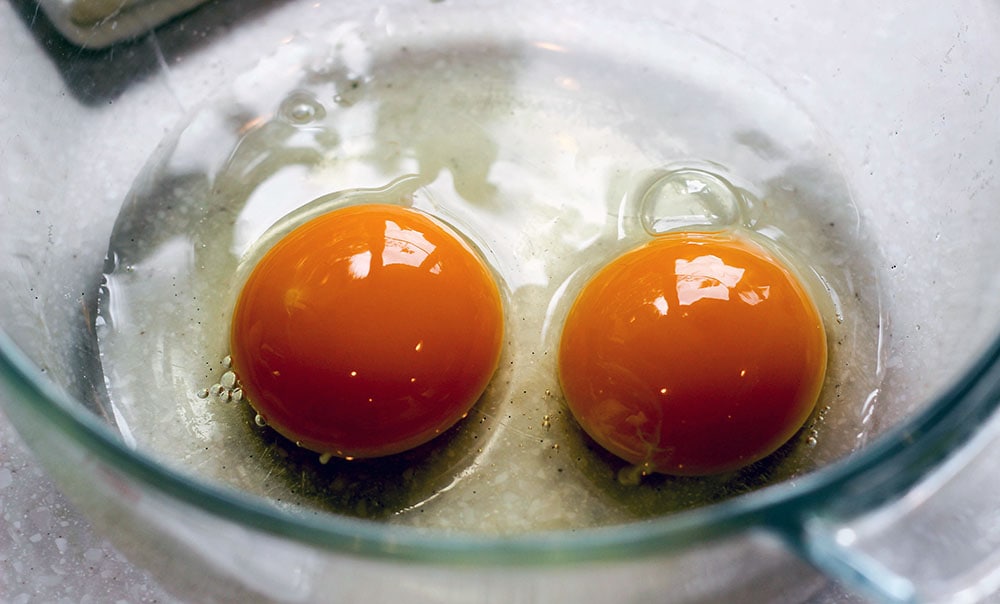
[(878, 471), (869, 477)]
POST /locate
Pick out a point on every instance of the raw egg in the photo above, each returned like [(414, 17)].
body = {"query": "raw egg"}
[(367, 331), (694, 354)]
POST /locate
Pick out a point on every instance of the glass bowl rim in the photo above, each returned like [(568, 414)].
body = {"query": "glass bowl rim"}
[(882, 469)]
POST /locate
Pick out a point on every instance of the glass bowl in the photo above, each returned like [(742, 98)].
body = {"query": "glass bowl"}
[(877, 123)]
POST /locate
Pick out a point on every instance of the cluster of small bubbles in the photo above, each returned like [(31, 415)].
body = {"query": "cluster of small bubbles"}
[(686, 198), (301, 108), (227, 389), (813, 439)]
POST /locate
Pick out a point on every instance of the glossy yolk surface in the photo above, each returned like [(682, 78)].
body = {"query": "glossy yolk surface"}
[(696, 353), (367, 331)]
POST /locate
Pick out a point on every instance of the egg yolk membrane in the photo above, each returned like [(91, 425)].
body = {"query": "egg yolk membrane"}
[(694, 354), (367, 331)]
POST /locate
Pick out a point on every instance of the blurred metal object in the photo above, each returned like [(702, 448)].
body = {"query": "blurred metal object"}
[(101, 23)]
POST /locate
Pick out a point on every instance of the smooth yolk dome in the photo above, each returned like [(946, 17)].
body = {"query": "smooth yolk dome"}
[(696, 353), (367, 331)]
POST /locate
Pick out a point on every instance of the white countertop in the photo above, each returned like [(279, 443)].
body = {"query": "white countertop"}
[(49, 553)]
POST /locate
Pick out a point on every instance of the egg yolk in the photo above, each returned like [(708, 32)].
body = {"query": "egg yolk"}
[(694, 354), (367, 331)]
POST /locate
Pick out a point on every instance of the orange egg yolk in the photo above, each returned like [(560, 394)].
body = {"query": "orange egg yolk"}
[(367, 331), (694, 354)]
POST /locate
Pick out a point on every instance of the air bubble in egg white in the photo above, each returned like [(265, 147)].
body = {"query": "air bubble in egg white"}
[(228, 380), (301, 108), (689, 198)]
